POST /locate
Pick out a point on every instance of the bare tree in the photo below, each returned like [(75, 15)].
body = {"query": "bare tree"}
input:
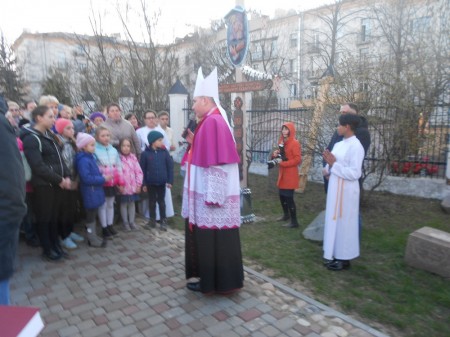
[(11, 83), (152, 68)]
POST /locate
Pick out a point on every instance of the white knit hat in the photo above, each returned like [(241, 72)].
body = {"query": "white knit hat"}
[(84, 139)]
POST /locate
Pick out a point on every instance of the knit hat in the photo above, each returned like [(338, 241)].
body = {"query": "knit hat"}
[(61, 124), (154, 136), (97, 114), (84, 139)]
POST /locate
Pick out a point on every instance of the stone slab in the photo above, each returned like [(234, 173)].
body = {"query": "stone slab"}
[(314, 231), (445, 204), (429, 249)]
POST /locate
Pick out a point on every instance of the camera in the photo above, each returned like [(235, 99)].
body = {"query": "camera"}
[(281, 157)]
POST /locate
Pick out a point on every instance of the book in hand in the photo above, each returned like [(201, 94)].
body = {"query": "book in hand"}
[(20, 321)]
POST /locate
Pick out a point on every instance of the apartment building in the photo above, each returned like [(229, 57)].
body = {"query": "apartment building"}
[(296, 47)]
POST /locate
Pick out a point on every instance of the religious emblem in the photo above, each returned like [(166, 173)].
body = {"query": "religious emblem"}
[(237, 35)]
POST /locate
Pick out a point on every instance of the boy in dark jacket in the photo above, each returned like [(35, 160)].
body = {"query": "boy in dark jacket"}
[(157, 166)]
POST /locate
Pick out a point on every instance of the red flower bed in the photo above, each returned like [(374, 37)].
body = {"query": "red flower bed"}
[(413, 167)]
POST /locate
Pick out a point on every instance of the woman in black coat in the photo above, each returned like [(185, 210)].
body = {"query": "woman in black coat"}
[(49, 176)]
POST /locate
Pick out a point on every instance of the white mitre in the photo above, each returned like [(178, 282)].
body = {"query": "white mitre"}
[(209, 87)]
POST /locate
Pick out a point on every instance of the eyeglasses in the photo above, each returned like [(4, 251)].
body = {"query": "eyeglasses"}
[(14, 110)]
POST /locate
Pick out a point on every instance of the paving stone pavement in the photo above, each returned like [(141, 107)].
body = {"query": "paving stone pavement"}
[(136, 287)]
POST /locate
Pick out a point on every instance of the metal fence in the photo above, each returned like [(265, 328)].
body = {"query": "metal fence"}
[(413, 147)]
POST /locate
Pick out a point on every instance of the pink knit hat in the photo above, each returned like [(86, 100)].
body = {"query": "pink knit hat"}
[(61, 124), (84, 139)]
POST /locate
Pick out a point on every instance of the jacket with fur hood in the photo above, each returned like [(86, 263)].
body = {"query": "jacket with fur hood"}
[(288, 178)]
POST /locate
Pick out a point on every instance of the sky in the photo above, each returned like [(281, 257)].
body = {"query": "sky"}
[(177, 17)]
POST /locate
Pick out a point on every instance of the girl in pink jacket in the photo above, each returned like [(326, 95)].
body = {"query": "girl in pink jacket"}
[(132, 176)]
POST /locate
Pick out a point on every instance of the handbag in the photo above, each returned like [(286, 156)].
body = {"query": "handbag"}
[(26, 167)]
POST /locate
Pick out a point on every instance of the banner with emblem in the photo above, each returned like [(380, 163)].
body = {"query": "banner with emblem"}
[(237, 35)]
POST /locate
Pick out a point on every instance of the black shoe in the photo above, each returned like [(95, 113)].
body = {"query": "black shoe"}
[(337, 265), (164, 225), (283, 217), (51, 256), (291, 225), (58, 249), (326, 262), (106, 233), (111, 230), (151, 224), (194, 286)]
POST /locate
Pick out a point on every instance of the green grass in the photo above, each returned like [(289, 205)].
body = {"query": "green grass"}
[(380, 288)]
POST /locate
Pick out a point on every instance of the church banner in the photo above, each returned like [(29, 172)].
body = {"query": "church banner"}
[(237, 35)]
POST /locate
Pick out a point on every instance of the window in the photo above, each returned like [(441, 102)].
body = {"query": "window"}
[(293, 66), (293, 40), (118, 63), (363, 86), (363, 56), (315, 43), (82, 67), (257, 54), (365, 30), (274, 48), (293, 90)]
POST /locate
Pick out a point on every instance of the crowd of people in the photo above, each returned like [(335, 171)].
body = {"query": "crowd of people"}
[(82, 168)]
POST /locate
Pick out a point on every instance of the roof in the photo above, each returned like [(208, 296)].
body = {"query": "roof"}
[(178, 88)]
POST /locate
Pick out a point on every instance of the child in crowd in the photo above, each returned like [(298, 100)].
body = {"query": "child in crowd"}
[(97, 118), (66, 132), (157, 166), (109, 163), (132, 177), (91, 185)]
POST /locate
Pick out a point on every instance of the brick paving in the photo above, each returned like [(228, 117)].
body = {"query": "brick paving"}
[(136, 287)]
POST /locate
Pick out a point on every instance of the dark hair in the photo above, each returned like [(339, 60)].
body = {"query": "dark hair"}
[(28, 102), (110, 105), (163, 113), (350, 119), (121, 142), (128, 116), (40, 110), (152, 111)]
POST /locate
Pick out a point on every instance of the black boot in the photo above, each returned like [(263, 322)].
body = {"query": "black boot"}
[(293, 213), (285, 207), (106, 233)]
